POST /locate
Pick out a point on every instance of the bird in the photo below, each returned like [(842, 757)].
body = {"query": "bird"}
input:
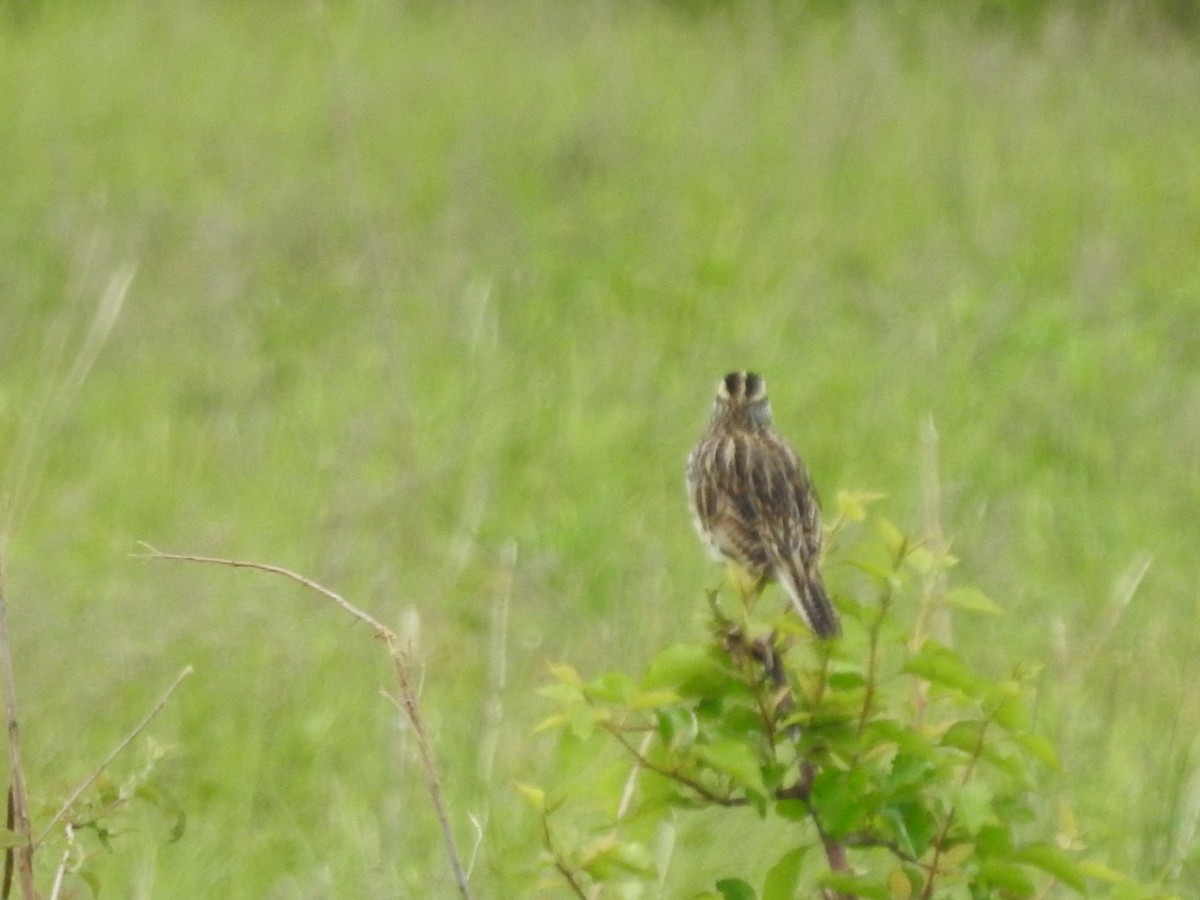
[(753, 502)]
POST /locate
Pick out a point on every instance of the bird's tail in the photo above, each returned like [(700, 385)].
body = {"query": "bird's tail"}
[(806, 590)]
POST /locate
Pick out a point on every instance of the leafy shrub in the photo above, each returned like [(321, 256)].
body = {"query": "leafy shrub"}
[(891, 767)]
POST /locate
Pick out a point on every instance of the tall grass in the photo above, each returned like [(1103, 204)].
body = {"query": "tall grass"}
[(416, 285)]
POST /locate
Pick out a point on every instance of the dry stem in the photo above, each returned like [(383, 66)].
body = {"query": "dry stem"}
[(18, 804), (408, 700)]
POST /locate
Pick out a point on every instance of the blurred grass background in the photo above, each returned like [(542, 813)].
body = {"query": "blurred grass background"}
[(429, 302)]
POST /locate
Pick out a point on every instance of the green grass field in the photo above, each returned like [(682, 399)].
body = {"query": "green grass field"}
[(428, 303)]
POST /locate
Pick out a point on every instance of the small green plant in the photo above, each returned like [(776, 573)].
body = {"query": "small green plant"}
[(891, 769), (91, 823)]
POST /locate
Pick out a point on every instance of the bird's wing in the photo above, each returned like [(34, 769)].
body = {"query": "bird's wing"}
[(721, 475), (806, 509)]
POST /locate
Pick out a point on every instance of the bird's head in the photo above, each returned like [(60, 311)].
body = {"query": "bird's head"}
[(742, 400)]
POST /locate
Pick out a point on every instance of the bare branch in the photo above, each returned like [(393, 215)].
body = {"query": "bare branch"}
[(380, 629), (408, 701)]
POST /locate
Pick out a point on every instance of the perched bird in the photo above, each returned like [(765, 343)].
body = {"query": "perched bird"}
[(753, 503)]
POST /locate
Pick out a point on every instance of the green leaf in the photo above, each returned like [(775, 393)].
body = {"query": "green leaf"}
[(846, 681), (888, 731), (900, 817), (1039, 748), (864, 887), (893, 538), (1009, 762), (843, 799), (852, 505), (994, 840), (1096, 869), (653, 699), (735, 889), (922, 561), (1008, 877), (582, 720), (1054, 861), (972, 600), (792, 810), (737, 760), (608, 857), (782, 877), (955, 857), (560, 693), (533, 795), (677, 726), (940, 665), (614, 687), (899, 885), (549, 722), (1011, 714), (687, 669), (880, 571), (907, 771), (567, 675), (973, 806), (963, 735), (735, 721), (91, 879)]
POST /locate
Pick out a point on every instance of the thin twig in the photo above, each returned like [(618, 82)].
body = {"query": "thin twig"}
[(674, 775), (408, 701), (17, 797), (631, 780), (868, 841), (380, 630), (128, 739), (6, 884), (62, 864), (560, 864)]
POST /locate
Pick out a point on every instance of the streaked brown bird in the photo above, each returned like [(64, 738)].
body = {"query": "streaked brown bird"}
[(753, 502)]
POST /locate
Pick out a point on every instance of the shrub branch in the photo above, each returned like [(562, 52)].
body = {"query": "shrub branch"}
[(766, 653)]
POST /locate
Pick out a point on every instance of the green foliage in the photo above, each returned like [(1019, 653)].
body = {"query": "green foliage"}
[(892, 765), (92, 825)]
